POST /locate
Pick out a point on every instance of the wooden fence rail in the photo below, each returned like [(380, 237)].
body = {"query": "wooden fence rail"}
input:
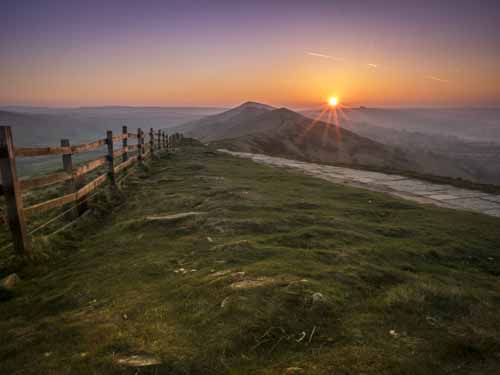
[(76, 189)]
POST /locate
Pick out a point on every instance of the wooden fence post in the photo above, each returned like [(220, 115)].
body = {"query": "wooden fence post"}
[(110, 157), (125, 143), (143, 145), (159, 140), (151, 140), (70, 185), (13, 193), (139, 145)]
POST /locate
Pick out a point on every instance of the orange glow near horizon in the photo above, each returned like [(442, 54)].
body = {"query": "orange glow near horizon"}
[(181, 53)]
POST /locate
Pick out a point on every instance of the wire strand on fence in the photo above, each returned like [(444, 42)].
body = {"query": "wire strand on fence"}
[(58, 217), (44, 225)]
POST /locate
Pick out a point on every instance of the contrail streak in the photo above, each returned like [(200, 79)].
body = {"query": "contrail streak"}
[(315, 54), (436, 79)]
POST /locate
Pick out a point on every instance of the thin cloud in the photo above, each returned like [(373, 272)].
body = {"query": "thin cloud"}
[(323, 56), (436, 79), (375, 66)]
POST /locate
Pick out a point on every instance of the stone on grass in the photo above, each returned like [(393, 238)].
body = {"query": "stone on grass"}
[(221, 273), (137, 360), (174, 217), (318, 298), (10, 281)]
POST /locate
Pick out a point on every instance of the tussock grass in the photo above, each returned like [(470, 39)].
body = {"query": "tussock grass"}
[(405, 288)]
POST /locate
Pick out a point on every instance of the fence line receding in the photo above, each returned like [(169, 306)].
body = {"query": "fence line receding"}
[(73, 177)]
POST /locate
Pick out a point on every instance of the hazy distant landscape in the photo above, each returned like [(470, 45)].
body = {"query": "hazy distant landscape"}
[(457, 143), (41, 126)]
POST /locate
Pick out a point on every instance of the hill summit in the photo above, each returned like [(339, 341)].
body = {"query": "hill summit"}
[(260, 128)]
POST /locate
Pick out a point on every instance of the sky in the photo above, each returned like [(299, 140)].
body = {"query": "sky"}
[(222, 53)]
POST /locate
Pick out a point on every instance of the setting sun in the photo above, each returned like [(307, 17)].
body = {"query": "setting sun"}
[(333, 101)]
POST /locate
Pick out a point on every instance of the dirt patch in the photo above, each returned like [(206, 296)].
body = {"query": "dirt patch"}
[(255, 283)]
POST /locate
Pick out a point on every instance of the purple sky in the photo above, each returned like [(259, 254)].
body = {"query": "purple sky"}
[(224, 52)]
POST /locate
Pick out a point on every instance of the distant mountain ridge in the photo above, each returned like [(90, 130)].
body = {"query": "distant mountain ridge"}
[(259, 128)]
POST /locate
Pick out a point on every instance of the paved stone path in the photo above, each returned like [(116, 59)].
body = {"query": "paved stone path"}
[(401, 186)]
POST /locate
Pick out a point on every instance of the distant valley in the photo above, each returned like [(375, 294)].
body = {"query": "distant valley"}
[(40, 126), (427, 141), (259, 128)]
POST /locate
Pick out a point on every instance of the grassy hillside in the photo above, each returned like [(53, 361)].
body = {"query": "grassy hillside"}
[(279, 271)]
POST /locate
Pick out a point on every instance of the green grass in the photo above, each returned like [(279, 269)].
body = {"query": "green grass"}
[(428, 275)]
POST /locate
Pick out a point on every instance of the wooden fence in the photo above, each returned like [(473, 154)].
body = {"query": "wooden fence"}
[(73, 177)]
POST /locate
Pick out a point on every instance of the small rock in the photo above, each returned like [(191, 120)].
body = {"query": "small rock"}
[(137, 360), (220, 273), (10, 281), (125, 317), (84, 354), (294, 370), (209, 239), (318, 298), (393, 333), (174, 217), (225, 302), (47, 354)]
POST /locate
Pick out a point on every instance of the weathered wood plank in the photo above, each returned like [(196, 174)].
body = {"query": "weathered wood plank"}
[(88, 146), (13, 193), (41, 151), (125, 143), (90, 166), (125, 164), (132, 135), (70, 184), (140, 145), (44, 151), (119, 152), (91, 186), (47, 205), (50, 179), (111, 159), (120, 137)]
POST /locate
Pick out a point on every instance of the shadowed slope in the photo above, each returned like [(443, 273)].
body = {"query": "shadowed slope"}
[(289, 134), (233, 123)]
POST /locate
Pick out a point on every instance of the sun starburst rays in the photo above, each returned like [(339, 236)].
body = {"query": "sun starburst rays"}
[(334, 111)]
